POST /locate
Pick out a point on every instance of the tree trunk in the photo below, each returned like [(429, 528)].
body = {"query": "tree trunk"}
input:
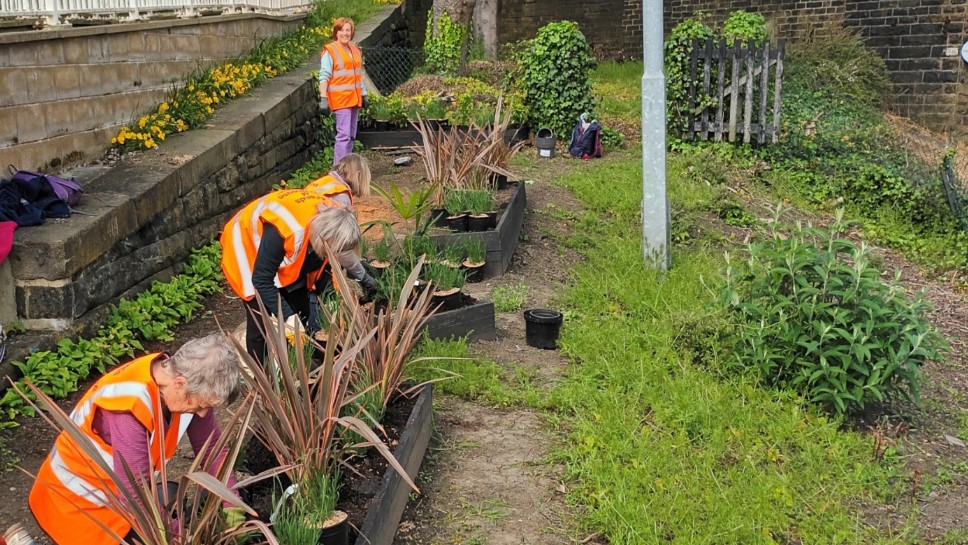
[(485, 26), (460, 11)]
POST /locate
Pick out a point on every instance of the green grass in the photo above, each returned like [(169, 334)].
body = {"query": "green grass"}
[(663, 449), (659, 443), (471, 377), (617, 88), (510, 298)]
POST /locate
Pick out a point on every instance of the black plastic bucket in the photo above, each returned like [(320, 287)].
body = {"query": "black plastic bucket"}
[(542, 327)]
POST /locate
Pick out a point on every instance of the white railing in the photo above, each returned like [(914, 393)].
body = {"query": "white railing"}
[(56, 12)]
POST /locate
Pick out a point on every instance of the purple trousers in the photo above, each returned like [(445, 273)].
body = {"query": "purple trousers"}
[(347, 119)]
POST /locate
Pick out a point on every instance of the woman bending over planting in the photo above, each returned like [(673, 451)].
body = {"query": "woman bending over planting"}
[(276, 247), (134, 414)]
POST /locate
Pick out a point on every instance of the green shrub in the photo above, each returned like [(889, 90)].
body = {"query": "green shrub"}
[(555, 77), (837, 62), (745, 27), (677, 48), (813, 314)]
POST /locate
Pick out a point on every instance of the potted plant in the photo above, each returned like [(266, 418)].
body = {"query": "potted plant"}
[(417, 246), (299, 416), (479, 203), (446, 284), (378, 111), (381, 251), (454, 203), (317, 494), (475, 261), (435, 113), (453, 254)]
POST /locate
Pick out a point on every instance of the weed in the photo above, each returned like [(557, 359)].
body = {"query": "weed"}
[(511, 298)]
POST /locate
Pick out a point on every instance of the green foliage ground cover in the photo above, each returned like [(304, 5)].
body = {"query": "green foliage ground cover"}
[(663, 440)]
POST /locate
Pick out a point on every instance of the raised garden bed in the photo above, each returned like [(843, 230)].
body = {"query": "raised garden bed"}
[(387, 505), (475, 319), (375, 504), (409, 137), (500, 242)]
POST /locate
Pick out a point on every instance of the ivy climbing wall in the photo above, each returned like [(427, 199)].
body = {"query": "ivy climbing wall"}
[(918, 39)]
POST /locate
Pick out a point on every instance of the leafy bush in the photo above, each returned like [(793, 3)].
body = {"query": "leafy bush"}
[(813, 314), (677, 49), (612, 139), (745, 27), (442, 49), (836, 61), (555, 77)]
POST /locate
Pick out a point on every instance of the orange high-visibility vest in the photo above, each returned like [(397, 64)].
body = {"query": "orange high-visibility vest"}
[(289, 211), (345, 87), (69, 489), (330, 186)]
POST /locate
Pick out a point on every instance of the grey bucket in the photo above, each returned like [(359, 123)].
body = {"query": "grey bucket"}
[(545, 141)]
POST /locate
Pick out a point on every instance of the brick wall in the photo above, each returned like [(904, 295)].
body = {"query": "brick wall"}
[(918, 39), (597, 19), (65, 93)]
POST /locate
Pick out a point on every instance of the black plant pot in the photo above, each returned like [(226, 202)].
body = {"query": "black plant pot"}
[(457, 223), (440, 217), (381, 125), (500, 181), (478, 222), (541, 328), (475, 274), (337, 534), (492, 219), (447, 301)]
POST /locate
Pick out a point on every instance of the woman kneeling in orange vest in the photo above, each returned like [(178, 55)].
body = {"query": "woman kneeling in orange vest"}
[(122, 414), (276, 247)]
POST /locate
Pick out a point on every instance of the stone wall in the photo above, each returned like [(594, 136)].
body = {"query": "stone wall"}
[(918, 40), (144, 216), (65, 93)]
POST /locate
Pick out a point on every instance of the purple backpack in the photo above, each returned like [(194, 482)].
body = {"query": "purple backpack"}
[(68, 191)]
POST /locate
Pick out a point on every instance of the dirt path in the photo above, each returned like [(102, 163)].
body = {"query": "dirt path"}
[(487, 479)]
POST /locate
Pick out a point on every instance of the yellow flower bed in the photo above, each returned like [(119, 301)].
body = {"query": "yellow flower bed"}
[(190, 106)]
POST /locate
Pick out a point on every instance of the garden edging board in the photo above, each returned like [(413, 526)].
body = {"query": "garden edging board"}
[(387, 506), (500, 242), (474, 321)]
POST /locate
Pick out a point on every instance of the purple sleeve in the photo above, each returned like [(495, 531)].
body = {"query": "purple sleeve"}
[(199, 431), (129, 439)]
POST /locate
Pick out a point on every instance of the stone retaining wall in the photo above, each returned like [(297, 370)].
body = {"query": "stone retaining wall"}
[(64, 93), (144, 216)]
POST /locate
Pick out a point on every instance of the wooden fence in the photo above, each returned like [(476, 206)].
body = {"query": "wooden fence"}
[(742, 76)]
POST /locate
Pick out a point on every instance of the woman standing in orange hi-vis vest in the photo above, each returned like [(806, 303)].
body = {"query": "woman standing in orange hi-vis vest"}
[(341, 85), (122, 414), (276, 246)]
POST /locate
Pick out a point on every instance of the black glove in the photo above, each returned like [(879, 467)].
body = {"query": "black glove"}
[(366, 101), (324, 105), (370, 285)]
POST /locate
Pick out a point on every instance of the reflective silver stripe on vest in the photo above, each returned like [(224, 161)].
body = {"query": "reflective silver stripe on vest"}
[(345, 87), (74, 483)]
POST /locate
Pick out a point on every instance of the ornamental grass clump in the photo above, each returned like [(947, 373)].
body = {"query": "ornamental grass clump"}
[(812, 313)]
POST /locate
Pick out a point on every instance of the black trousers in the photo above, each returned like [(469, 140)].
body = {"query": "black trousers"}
[(255, 341)]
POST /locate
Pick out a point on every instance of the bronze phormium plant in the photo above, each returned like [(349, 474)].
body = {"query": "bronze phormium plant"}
[(812, 313)]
